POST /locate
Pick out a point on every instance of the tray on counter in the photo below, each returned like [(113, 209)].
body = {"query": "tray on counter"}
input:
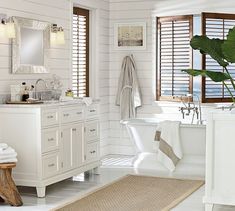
[(24, 102)]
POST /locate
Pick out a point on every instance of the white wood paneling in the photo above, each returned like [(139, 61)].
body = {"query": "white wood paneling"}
[(147, 11), (59, 12)]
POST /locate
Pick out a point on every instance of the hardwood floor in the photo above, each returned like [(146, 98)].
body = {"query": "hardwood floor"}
[(66, 190)]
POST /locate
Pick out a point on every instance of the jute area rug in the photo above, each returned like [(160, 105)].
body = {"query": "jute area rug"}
[(136, 193)]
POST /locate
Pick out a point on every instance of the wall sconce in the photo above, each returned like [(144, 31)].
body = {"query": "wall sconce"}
[(7, 27), (57, 35)]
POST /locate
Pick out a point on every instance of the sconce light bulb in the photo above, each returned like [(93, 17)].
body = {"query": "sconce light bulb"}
[(10, 30), (60, 40), (2, 30), (53, 38)]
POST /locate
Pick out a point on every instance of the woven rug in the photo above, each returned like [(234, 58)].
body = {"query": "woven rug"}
[(136, 193)]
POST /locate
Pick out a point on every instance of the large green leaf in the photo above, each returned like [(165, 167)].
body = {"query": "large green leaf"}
[(228, 46), (213, 75), (212, 47)]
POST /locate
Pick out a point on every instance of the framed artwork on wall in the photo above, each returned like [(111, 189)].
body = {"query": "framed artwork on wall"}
[(130, 36)]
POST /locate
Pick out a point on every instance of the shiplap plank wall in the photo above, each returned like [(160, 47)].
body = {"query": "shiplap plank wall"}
[(147, 11), (101, 8), (59, 12), (59, 55)]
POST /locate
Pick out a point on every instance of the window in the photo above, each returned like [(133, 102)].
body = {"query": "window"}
[(174, 54), (80, 53), (216, 25)]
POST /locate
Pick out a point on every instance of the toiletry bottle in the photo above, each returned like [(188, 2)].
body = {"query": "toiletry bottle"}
[(31, 91), (25, 92)]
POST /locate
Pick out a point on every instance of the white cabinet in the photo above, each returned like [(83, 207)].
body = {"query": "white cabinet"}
[(220, 165), (72, 138), (53, 142)]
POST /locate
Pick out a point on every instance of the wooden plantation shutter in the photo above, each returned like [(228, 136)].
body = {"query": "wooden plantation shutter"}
[(80, 54), (216, 25), (174, 54)]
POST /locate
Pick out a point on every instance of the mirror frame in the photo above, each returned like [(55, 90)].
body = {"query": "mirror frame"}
[(17, 67)]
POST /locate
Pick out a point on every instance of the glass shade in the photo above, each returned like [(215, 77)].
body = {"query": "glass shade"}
[(2, 30), (60, 38), (10, 30)]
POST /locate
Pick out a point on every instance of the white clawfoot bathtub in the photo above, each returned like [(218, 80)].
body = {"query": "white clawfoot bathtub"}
[(193, 140)]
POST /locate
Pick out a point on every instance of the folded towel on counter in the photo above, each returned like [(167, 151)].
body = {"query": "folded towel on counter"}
[(170, 151), (87, 100), (3, 146)]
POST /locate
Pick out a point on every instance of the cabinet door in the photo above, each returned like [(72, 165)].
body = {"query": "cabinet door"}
[(72, 137)]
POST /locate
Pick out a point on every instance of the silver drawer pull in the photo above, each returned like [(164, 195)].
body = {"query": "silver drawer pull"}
[(50, 117), (92, 130), (93, 110), (92, 152), (74, 129), (50, 139), (51, 165), (66, 115), (79, 113)]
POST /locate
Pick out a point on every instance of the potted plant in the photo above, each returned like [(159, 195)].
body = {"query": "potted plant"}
[(222, 51)]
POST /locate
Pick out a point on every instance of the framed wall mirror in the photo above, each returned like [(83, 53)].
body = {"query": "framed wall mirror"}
[(30, 48)]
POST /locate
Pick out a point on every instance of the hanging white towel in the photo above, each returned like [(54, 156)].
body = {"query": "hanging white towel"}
[(170, 151), (128, 94)]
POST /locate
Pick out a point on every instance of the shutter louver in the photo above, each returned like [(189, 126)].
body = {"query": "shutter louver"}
[(175, 54), (216, 25), (80, 53)]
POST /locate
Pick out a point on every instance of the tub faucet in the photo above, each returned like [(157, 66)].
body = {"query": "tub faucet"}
[(37, 95), (190, 106)]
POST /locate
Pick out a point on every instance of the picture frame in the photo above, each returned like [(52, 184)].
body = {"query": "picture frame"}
[(130, 36)]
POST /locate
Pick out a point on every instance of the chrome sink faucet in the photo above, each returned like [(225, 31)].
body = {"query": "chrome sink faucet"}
[(37, 96)]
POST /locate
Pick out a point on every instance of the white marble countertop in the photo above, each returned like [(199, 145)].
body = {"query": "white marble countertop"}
[(51, 103)]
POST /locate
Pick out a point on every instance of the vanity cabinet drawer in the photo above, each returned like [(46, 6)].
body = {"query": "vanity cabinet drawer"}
[(72, 114), (92, 130), (50, 165), (91, 111), (50, 117), (50, 139), (92, 152)]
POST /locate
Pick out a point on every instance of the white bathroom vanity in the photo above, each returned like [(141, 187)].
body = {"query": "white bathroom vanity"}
[(220, 165), (54, 141)]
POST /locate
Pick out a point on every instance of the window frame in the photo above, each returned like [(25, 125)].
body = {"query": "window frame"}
[(159, 20), (84, 12), (204, 16)]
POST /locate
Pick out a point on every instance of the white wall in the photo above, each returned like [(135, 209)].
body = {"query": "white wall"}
[(139, 11), (99, 32), (59, 55), (60, 12)]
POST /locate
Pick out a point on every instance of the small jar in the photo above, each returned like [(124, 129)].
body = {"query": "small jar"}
[(69, 93)]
